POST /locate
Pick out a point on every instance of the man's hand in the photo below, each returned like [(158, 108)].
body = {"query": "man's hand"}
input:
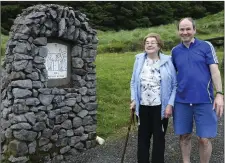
[(218, 105), (168, 111), (216, 78)]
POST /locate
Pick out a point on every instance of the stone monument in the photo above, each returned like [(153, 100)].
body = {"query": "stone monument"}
[(48, 91)]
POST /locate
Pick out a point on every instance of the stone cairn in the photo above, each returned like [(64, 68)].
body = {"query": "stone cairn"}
[(41, 124)]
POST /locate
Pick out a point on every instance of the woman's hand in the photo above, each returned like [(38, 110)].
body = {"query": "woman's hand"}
[(168, 111), (132, 105)]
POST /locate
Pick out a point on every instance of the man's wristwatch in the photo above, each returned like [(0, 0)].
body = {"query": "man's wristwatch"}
[(220, 92)]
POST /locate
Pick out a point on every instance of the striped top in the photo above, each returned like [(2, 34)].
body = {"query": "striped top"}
[(193, 73)]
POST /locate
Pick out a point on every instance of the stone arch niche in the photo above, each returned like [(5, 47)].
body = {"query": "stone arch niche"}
[(48, 113)]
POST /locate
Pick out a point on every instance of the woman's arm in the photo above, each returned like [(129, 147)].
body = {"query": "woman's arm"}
[(174, 84), (132, 82)]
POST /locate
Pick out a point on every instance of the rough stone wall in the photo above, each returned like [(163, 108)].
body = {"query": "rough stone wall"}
[(40, 124)]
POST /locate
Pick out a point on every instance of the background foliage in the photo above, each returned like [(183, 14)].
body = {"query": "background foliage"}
[(210, 26), (116, 15)]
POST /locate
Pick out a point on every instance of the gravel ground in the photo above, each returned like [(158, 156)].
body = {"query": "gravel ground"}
[(111, 151)]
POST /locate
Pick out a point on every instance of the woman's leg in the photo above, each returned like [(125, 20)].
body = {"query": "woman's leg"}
[(144, 134), (159, 131)]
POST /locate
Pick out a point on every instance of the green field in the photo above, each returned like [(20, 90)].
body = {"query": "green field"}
[(208, 27), (113, 90)]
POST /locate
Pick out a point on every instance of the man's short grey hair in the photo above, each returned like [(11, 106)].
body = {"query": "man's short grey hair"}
[(190, 19)]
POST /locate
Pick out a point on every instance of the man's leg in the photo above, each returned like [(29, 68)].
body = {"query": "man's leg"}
[(183, 124), (206, 127), (185, 146), (205, 150)]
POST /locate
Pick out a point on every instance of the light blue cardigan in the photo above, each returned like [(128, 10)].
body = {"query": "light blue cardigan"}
[(168, 81)]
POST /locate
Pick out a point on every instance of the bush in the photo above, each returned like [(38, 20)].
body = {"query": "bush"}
[(8, 13), (114, 47), (4, 40), (4, 32), (2, 50)]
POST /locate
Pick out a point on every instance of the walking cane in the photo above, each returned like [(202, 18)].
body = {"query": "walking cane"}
[(130, 123)]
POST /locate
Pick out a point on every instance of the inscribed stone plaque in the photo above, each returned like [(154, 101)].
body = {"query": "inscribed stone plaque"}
[(56, 61)]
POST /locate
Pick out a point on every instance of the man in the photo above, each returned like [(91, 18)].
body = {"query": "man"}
[(197, 70)]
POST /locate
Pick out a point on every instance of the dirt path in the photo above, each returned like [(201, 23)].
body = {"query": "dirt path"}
[(111, 151)]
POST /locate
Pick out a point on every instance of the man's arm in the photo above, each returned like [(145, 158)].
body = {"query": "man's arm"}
[(216, 78)]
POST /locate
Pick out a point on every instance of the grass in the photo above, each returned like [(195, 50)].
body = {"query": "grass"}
[(3, 42), (124, 40), (114, 72), (113, 89)]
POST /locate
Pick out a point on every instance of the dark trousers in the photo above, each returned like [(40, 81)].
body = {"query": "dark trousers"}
[(151, 124)]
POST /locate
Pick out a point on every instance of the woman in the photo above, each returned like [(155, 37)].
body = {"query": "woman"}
[(153, 88)]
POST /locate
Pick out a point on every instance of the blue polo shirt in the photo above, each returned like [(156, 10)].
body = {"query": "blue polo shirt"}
[(193, 74)]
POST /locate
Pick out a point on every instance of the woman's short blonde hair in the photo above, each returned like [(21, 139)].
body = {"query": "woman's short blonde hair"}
[(158, 39)]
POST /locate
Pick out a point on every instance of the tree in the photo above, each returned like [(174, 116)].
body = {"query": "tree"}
[(158, 12), (117, 15)]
